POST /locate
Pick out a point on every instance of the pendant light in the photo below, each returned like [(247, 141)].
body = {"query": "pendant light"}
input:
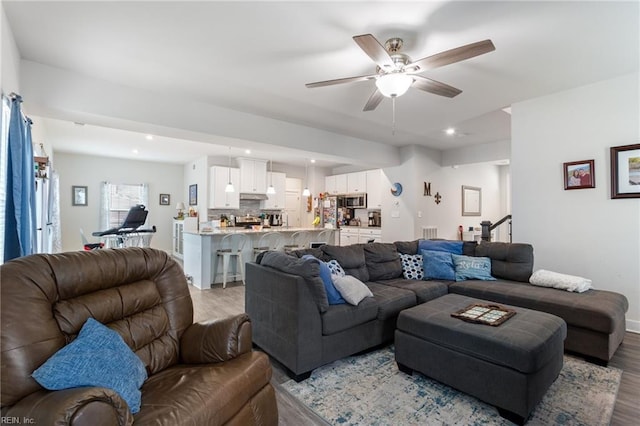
[(229, 187), (271, 190), (305, 191)]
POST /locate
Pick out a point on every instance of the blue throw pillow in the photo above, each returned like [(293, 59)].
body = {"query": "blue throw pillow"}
[(335, 268), (454, 247), (97, 357), (333, 295), (412, 266), (438, 265), (472, 268)]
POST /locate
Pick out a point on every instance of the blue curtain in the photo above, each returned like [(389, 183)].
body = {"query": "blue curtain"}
[(20, 213)]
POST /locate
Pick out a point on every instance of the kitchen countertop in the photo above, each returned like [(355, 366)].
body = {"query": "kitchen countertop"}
[(239, 230)]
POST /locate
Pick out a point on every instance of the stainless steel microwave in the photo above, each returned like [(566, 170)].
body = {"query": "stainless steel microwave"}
[(353, 201)]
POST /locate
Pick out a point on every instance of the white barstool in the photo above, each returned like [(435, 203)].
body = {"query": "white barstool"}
[(231, 245), (326, 236), (268, 241), (299, 240)]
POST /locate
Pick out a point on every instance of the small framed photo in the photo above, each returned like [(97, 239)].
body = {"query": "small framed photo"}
[(625, 171), (165, 199), (193, 195), (579, 174), (79, 195)]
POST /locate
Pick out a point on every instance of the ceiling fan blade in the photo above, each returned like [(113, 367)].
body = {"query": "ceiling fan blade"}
[(435, 87), (374, 101), (340, 81), (451, 56), (376, 51)]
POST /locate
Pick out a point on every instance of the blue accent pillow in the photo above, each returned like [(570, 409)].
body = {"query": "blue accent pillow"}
[(472, 268), (438, 265), (412, 267), (97, 357), (333, 295), (454, 247)]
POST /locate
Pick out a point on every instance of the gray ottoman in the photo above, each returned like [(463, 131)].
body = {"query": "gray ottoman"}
[(510, 366)]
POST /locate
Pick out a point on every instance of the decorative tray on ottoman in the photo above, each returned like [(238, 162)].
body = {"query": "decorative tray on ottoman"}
[(484, 314)]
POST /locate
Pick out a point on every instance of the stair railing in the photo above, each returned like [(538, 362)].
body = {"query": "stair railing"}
[(487, 227)]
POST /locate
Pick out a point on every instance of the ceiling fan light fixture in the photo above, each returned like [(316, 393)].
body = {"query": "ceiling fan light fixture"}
[(394, 84)]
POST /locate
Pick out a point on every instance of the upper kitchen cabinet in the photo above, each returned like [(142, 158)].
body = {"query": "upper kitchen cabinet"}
[(356, 182), (374, 189), (336, 184), (253, 176), (218, 179), (278, 200)]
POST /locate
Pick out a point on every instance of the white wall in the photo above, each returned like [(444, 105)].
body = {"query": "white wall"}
[(582, 232), (403, 217), (10, 64), (90, 171)]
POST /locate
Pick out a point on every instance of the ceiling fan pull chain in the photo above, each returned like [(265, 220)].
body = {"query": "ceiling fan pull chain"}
[(393, 112)]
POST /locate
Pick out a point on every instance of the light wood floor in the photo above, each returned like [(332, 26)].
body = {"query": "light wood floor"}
[(218, 303)]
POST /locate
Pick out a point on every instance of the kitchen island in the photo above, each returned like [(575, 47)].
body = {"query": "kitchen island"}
[(200, 250)]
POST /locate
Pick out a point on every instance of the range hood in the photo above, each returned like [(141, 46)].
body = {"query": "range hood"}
[(251, 196)]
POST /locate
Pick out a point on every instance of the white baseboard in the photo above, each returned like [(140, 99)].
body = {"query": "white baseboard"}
[(633, 326)]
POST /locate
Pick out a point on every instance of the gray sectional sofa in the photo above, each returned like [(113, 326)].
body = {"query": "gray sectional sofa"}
[(294, 323)]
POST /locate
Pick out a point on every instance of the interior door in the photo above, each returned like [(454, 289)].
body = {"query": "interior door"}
[(292, 209)]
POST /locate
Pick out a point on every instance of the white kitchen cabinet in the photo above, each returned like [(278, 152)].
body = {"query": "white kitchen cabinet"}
[(253, 176), (374, 188), (348, 236), (218, 179), (278, 200), (356, 183), (336, 184), (367, 234), (178, 227)]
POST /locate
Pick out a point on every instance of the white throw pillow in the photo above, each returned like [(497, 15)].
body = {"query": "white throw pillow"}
[(560, 281), (352, 289)]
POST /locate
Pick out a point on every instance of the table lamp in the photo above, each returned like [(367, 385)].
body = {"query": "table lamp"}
[(180, 207)]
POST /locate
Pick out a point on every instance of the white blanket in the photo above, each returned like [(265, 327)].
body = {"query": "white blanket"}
[(545, 278)]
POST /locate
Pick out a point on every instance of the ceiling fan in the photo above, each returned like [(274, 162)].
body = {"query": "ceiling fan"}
[(395, 72)]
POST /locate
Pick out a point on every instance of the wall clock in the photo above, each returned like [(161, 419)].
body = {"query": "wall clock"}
[(396, 190)]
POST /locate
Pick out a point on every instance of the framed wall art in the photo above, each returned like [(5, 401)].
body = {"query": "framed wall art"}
[(193, 195), (165, 199), (625, 171), (471, 201), (579, 174), (79, 196)]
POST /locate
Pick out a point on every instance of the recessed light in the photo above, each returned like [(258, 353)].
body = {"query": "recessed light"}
[(134, 150), (312, 160), (450, 131), (247, 151), (149, 137)]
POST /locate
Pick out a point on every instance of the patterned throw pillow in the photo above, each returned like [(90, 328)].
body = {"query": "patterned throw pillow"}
[(412, 267), (335, 268)]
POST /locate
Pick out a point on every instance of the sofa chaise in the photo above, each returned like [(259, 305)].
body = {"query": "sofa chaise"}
[(293, 322)]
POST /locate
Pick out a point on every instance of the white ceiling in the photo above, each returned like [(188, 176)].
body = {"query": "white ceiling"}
[(255, 57)]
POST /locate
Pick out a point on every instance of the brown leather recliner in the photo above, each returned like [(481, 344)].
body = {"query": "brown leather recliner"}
[(199, 374)]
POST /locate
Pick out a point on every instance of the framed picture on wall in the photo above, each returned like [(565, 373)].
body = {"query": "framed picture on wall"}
[(471, 201), (165, 199), (625, 171), (579, 174), (79, 195), (193, 195)]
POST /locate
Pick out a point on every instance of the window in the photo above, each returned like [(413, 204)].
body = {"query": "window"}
[(117, 199)]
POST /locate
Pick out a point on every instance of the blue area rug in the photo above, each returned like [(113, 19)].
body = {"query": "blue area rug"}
[(370, 390)]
